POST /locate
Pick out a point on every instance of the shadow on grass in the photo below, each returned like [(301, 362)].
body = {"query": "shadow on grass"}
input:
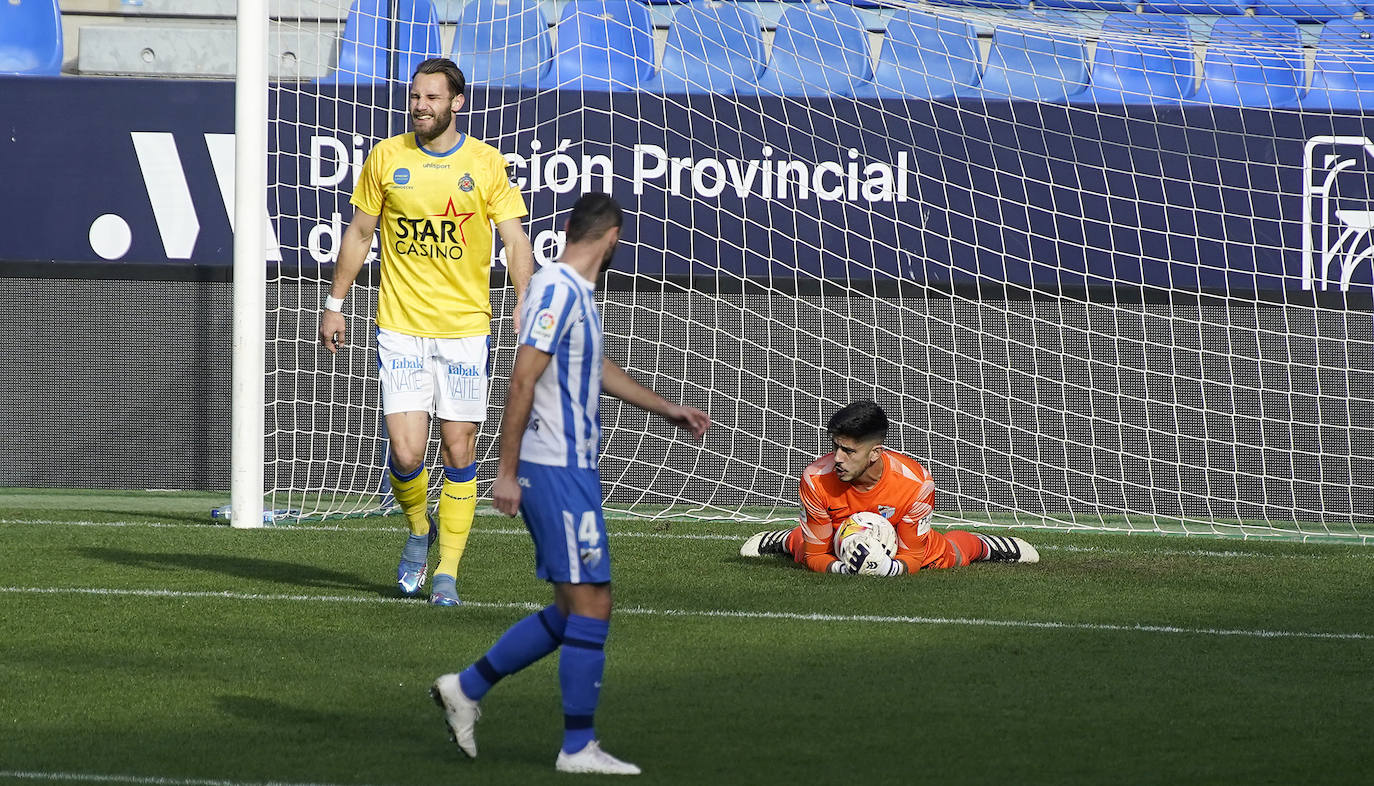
[(288, 573)]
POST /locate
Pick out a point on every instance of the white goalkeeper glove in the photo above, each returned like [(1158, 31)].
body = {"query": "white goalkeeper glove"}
[(881, 565), (838, 566)]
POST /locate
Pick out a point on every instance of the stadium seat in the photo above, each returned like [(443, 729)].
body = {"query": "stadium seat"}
[(602, 45), (1204, 7), (366, 41), (31, 37), (819, 49), (712, 48), (1090, 5), (1253, 61), (504, 43), (925, 56), (1343, 73), (1307, 10), (1038, 56), (1141, 60)]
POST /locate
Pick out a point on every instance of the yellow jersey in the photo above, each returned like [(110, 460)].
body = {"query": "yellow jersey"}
[(436, 212)]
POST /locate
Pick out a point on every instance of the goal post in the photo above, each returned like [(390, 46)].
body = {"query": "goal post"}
[(250, 266), (1081, 313)]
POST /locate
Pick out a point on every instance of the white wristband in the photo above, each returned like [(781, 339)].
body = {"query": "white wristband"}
[(332, 303)]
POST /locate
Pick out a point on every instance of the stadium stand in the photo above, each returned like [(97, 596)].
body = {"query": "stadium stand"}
[(712, 48), (1142, 59), (925, 56), (1307, 10), (602, 45), (818, 50), (1128, 6), (31, 37), (1343, 72), (1204, 7), (1253, 61), (367, 39), (504, 43)]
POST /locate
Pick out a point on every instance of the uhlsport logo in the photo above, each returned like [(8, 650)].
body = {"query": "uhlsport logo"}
[(169, 194), (1338, 187)]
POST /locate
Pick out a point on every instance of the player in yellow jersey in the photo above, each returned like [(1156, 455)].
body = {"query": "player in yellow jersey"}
[(435, 193)]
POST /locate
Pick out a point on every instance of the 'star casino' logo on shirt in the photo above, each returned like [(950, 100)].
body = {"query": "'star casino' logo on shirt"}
[(401, 176), (465, 183), (543, 324)]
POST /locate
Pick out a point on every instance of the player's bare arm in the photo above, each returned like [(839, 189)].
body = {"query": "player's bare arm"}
[(529, 365), (354, 247), (519, 260), (615, 382)]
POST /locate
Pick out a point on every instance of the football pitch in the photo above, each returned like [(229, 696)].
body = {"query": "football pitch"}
[(143, 643)]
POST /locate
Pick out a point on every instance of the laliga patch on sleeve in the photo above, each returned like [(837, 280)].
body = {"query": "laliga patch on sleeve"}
[(542, 327)]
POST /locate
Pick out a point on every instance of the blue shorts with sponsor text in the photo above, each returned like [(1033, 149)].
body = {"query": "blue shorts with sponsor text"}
[(562, 511)]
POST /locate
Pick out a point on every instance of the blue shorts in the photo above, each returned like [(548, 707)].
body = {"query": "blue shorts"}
[(562, 511)]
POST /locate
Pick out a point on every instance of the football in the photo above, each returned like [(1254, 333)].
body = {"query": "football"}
[(863, 536)]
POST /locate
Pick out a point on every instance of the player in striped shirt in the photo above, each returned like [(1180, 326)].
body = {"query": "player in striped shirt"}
[(862, 475), (550, 443)]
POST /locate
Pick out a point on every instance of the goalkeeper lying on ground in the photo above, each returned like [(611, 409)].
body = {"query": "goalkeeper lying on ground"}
[(861, 475)]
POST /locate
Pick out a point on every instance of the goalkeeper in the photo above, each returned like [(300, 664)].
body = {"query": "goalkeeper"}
[(862, 475)]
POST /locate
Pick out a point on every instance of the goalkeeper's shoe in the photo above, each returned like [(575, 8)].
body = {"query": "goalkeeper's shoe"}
[(460, 712), (765, 543), (410, 574), (1004, 549), (444, 591), (591, 759)]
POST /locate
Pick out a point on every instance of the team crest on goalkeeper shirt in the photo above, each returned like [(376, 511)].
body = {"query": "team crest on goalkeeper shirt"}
[(465, 183)]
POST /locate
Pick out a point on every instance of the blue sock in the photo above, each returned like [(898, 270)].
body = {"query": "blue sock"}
[(417, 548), (580, 666), (522, 644)]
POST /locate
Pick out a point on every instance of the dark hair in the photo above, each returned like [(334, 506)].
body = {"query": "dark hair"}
[(862, 420), (442, 65), (593, 215)]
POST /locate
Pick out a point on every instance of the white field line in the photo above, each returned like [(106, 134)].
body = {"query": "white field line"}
[(618, 534), (88, 777), (707, 613)]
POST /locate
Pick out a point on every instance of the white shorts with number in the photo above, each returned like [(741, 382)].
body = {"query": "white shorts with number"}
[(446, 377)]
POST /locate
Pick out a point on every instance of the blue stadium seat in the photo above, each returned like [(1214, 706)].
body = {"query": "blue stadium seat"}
[(366, 42), (1307, 10), (925, 56), (1205, 7), (1037, 55), (819, 49), (1090, 5), (602, 45), (1343, 74), (31, 37), (1253, 61), (1142, 59), (712, 48), (983, 3), (504, 43)]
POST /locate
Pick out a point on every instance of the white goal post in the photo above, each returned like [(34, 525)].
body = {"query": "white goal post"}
[(1080, 309)]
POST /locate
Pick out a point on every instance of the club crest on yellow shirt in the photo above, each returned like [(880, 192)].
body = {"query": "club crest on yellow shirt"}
[(465, 183)]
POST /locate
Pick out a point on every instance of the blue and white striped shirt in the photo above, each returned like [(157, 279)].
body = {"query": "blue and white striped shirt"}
[(559, 316)]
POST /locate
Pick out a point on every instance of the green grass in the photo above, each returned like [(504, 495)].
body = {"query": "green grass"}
[(205, 653)]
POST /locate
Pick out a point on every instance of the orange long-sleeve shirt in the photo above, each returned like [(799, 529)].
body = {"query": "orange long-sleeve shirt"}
[(904, 495)]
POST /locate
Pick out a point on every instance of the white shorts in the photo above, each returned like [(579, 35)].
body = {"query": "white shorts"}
[(446, 377)]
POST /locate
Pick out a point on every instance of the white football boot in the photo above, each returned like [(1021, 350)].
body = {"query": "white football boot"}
[(764, 543), (1005, 549), (592, 759), (460, 712)]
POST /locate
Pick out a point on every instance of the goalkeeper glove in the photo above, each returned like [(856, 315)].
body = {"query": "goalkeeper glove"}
[(882, 566), (839, 566)]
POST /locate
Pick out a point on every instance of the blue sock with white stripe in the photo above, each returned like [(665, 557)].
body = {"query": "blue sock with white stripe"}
[(581, 663), (522, 644)]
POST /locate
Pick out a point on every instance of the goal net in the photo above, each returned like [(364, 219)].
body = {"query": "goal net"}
[(1104, 271)]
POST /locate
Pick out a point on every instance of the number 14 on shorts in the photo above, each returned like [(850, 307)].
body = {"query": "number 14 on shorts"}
[(589, 549)]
